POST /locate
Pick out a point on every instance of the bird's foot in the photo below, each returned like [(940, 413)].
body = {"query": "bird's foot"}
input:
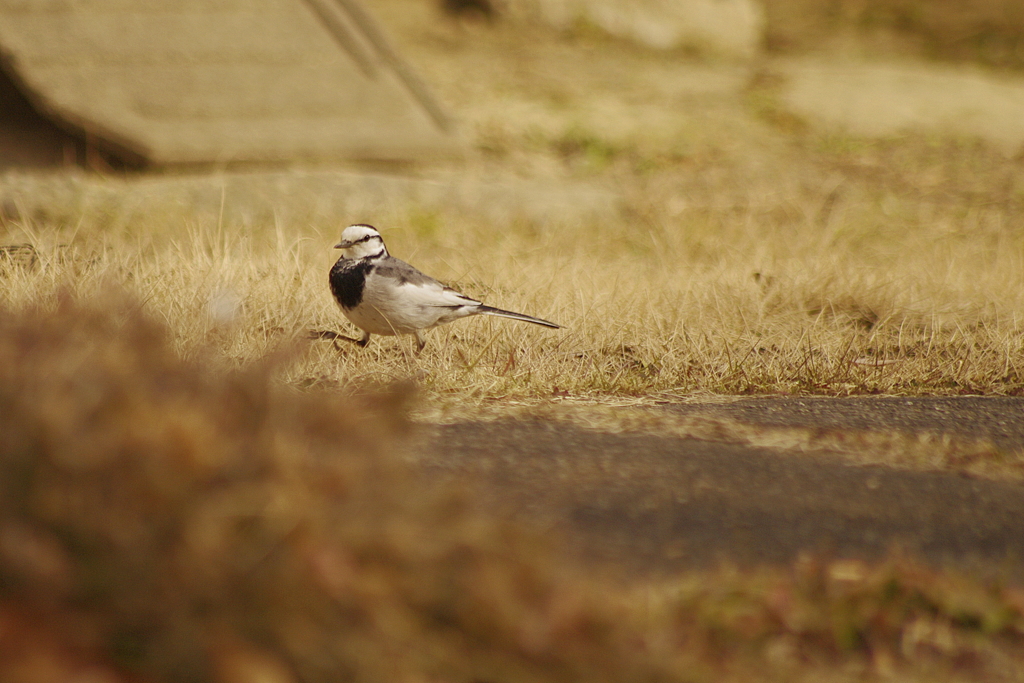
[(334, 336)]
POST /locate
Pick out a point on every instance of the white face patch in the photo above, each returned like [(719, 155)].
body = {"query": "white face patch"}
[(361, 241)]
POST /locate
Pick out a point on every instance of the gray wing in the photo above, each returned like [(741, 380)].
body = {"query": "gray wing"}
[(419, 286), (402, 273)]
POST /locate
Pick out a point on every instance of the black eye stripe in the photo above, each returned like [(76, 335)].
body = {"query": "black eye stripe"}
[(366, 238)]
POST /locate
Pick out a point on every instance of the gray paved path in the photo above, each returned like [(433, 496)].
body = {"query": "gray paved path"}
[(650, 504)]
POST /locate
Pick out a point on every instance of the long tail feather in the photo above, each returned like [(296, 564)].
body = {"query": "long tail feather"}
[(490, 310)]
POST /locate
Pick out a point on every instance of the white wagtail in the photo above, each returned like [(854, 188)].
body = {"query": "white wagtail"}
[(383, 295)]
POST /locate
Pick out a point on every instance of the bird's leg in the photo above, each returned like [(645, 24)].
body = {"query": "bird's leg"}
[(420, 341), (334, 337), (358, 342)]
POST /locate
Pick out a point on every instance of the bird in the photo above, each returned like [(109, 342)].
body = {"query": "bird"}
[(381, 294)]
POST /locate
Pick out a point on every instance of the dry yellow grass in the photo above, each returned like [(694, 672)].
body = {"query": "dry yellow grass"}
[(987, 31), (814, 289), (738, 253)]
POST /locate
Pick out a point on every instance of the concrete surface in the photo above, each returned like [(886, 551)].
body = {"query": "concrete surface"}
[(646, 504)]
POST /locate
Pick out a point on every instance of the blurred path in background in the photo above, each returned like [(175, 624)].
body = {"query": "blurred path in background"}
[(647, 504)]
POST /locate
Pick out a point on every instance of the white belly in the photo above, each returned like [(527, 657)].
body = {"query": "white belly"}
[(370, 319), (390, 308)]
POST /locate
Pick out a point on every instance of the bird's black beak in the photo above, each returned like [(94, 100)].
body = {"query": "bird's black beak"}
[(344, 244)]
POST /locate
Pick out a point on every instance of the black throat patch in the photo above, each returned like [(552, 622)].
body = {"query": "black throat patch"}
[(348, 278)]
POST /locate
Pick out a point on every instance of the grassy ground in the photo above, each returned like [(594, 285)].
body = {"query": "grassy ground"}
[(832, 291), (986, 31), (741, 253)]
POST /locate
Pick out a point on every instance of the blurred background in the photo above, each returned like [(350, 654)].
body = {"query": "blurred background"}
[(154, 85)]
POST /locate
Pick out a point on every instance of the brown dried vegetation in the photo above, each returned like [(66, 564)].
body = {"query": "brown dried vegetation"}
[(985, 31), (167, 520)]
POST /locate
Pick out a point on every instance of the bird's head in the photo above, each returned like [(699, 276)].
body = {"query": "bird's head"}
[(361, 241)]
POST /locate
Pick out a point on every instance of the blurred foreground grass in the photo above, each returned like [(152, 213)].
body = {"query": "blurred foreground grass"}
[(167, 520)]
